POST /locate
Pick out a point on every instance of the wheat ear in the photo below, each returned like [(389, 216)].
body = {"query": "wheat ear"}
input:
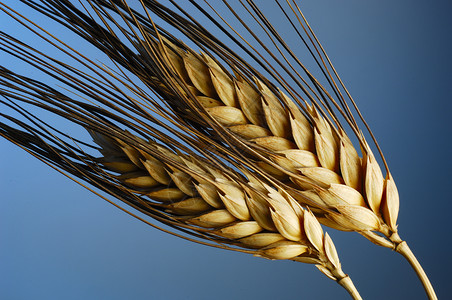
[(297, 145), (321, 163), (249, 214)]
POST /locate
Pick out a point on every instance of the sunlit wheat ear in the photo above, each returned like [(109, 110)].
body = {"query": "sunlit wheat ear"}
[(247, 214)]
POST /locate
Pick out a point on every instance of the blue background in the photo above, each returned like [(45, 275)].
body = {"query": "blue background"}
[(59, 241)]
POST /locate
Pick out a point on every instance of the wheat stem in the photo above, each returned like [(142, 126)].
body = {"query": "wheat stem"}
[(405, 250), (347, 284), (302, 146), (305, 151)]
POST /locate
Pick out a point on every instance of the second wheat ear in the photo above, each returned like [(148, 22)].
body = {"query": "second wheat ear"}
[(235, 211)]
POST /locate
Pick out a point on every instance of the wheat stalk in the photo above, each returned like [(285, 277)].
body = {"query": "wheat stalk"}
[(305, 153), (303, 146), (347, 192)]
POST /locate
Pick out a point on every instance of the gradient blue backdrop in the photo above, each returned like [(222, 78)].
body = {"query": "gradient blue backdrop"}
[(59, 241)]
